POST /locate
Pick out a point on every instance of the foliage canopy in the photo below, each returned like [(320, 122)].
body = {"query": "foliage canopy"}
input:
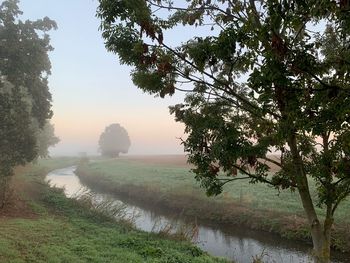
[(25, 100), (269, 77)]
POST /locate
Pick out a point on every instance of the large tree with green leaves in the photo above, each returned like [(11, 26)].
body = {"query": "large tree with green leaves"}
[(25, 100), (268, 77)]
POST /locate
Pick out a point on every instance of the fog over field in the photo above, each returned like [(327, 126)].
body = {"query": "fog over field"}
[(91, 89), (175, 131)]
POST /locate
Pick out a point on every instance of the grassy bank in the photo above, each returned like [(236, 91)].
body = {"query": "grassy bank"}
[(173, 187), (52, 228)]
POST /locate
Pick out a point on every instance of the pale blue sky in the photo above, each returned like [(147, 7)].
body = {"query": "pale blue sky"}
[(91, 89)]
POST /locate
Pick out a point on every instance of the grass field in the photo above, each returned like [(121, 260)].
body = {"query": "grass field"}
[(48, 227), (171, 182), (173, 177)]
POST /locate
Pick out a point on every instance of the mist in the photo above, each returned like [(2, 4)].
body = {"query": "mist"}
[(174, 131), (90, 88)]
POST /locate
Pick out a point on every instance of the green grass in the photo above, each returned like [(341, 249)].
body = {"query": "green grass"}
[(55, 163), (67, 231), (173, 187), (131, 172), (180, 180)]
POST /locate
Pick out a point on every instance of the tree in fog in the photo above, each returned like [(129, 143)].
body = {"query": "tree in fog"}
[(25, 101), (46, 138), (114, 140), (268, 77)]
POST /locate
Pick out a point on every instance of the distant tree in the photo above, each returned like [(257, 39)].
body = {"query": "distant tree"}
[(25, 101), (269, 77), (46, 138), (114, 140)]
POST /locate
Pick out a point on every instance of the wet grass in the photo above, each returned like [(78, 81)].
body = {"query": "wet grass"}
[(66, 230), (181, 180), (174, 188)]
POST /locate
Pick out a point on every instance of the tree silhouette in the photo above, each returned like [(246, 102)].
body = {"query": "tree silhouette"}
[(114, 140)]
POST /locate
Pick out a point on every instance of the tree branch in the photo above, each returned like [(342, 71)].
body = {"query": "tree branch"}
[(253, 175), (186, 9), (339, 199), (235, 103), (239, 97), (272, 161), (232, 179)]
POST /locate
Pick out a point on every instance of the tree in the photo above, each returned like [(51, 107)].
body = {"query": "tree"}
[(114, 140), (270, 77), (46, 138), (25, 101)]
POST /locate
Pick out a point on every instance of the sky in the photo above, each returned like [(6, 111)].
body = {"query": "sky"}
[(91, 90)]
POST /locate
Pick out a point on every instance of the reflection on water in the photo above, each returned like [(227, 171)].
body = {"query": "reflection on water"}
[(65, 178), (236, 243)]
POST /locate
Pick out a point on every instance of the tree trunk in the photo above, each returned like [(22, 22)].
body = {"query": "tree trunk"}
[(4, 188), (321, 236), (326, 248)]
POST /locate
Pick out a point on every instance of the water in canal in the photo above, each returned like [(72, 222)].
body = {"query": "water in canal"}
[(237, 243)]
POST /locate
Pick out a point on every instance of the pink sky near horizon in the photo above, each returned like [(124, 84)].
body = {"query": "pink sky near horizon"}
[(155, 133)]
